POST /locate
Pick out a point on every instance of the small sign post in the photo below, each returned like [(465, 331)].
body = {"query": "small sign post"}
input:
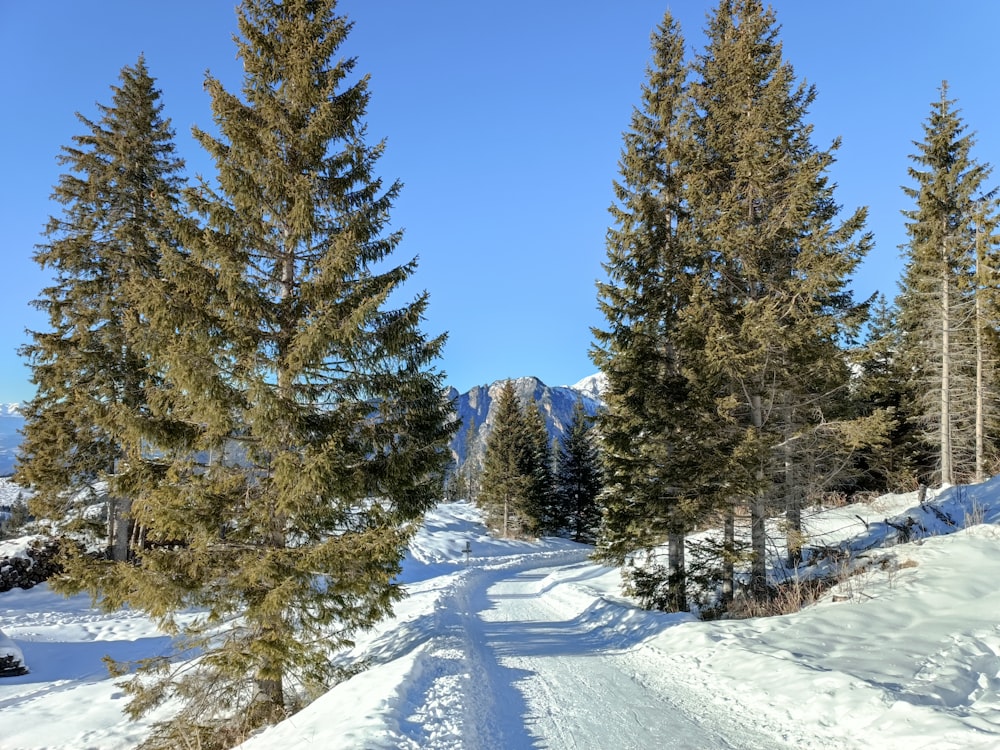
[(467, 551)]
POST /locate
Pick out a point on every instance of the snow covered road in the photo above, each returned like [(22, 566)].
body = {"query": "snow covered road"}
[(518, 652), (571, 689), (523, 646)]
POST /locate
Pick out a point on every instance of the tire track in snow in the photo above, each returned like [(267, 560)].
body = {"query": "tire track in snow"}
[(461, 696), (558, 682)]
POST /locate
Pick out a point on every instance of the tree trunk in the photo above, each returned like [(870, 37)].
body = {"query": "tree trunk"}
[(677, 574), (271, 672), (793, 503), (270, 699), (947, 471), (728, 556), (980, 364), (110, 526), (121, 524), (758, 515)]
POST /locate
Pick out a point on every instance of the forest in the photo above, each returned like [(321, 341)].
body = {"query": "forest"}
[(744, 381), (230, 370)]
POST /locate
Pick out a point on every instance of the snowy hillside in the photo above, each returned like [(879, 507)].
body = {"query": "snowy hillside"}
[(526, 645)]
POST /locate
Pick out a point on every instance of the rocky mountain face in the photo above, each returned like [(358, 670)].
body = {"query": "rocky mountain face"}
[(476, 411), (474, 408)]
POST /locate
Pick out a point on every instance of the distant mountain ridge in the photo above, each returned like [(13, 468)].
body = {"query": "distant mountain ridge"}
[(11, 423), (475, 409), (10, 410)]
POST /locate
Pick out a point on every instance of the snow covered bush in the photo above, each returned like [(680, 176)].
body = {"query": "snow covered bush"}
[(11, 658)]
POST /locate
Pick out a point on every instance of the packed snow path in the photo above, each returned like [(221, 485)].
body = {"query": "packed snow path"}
[(540, 673)]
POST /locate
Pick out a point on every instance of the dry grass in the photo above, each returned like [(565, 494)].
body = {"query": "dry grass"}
[(854, 577), (783, 599)]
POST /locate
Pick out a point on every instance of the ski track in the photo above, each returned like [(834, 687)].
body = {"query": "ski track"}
[(511, 668)]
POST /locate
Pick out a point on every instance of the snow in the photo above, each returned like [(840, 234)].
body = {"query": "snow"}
[(592, 386), (11, 657), (529, 644)]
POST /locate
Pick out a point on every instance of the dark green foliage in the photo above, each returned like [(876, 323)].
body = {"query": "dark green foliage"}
[(881, 386), (92, 374), (647, 434), (577, 481), (538, 468)]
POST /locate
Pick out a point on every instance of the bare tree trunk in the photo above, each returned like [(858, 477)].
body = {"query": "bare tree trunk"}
[(947, 470), (677, 574), (137, 539), (793, 513), (270, 698), (758, 516), (728, 556), (110, 530), (980, 421), (980, 364), (121, 509)]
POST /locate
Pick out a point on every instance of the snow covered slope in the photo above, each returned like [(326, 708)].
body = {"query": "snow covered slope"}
[(526, 645)]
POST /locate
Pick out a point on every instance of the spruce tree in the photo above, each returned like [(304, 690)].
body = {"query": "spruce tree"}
[(770, 303), (467, 468), (302, 427), (880, 386), (946, 291), (91, 370), (538, 470), (504, 492), (649, 428), (986, 303), (578, 480)]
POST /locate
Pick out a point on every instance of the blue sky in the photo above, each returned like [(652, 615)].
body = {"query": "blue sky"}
[(504, 122)]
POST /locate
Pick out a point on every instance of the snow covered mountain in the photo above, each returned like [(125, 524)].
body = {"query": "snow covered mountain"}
[(11, 423), (476, 410)]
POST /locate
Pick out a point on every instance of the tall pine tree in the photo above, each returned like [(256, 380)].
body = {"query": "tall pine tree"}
[(538, 468), (578, 480), (770, 303), (91, 370), (517, 483), (946, 292), (649, 440), (505, 488), (302, 428)]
